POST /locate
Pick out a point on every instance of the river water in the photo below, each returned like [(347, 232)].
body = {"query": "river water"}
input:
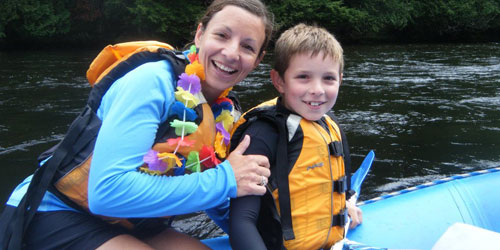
[(428, 111)]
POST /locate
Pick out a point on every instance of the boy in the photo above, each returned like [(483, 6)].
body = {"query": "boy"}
[(305, 206)]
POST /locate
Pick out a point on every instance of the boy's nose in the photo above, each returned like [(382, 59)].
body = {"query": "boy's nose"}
[(316, 88)]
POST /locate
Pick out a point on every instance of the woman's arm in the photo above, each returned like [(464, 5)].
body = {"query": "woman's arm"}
[(131, 112)]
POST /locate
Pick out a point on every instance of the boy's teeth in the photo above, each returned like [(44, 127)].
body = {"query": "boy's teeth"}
[(224, 68), (314, 103)]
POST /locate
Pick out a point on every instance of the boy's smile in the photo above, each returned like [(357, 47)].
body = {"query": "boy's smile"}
[(310, 85)]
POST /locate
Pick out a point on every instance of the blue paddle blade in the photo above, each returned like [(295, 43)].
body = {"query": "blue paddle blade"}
[(359, 176)]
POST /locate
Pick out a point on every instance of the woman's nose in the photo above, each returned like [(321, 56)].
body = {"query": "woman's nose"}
[(231, 50)]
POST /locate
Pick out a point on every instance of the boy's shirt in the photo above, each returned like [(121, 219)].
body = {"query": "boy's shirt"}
[(244, 211)]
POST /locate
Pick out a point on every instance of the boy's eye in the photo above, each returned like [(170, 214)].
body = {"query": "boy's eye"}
[(303, 76), (330, 78)]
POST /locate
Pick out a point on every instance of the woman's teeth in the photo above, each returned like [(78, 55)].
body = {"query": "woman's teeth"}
[(224, 68)]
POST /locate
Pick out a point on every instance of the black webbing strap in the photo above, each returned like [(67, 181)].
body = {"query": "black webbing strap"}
[(347, 156), (340, 185), (340, 219), (41, 180), (336, 148), (282, 174)]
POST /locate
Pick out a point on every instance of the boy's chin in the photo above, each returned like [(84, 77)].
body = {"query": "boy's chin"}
[(311, 117)]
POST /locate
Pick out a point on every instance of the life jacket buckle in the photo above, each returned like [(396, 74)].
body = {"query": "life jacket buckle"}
[(336, 148), (340, 185), (340, 219)]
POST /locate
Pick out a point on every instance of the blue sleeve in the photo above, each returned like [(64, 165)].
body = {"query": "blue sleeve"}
[(131, 112), (220, 215)]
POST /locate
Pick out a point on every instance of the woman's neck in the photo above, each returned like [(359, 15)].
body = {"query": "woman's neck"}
[(210, 95)]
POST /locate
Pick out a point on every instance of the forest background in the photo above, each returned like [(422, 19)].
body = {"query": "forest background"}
[(95, 23)]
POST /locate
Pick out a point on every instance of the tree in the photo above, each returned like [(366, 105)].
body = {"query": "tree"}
[(37, 20)]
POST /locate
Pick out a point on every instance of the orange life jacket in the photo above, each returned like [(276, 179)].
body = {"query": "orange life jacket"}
[(315, 178), (114, 61)]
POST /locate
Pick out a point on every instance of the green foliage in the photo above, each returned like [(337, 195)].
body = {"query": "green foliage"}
[(454, 17), (34, 19), (333, 15), (174, 21)]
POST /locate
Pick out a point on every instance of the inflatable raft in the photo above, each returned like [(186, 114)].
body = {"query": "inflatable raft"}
[(415, 218)]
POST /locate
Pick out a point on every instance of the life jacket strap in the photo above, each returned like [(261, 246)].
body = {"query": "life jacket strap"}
[(336, 148), (282, 179), (340, 219), (340, 185)]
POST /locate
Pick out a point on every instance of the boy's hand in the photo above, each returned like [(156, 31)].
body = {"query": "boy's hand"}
[(250, 171), (355, 213)]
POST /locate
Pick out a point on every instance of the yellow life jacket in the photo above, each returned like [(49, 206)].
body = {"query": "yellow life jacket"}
[(71, 179), (312, 211)]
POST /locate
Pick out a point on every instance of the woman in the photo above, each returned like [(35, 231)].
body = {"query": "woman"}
[(123, 181)]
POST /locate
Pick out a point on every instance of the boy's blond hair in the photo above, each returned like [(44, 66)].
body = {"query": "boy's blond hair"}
[(304, 38)]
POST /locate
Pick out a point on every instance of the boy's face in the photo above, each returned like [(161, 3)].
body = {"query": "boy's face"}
[(310, 85)]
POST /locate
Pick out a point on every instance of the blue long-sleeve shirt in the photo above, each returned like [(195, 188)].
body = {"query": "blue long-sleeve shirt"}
[(131, 111)]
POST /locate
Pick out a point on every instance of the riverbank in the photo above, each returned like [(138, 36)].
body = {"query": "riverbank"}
[(93, 24)]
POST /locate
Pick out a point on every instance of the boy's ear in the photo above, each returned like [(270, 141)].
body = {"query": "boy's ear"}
[(341, 78), (278, 83), (197, 37)]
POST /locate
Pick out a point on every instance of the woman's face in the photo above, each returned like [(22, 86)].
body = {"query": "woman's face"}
[(229, 47)]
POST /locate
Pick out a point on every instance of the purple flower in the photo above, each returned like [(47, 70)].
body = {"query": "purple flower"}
[(155, 164), (220, 128), (189, 83)]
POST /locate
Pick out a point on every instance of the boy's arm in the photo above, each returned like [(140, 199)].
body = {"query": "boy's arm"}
[(243, 215), (244, 211), (354, 212)]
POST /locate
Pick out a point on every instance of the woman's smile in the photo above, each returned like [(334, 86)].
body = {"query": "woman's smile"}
[(229, 48)]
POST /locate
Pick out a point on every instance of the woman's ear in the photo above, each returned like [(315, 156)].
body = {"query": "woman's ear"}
[(259, 59), (197, 37), (278, 82)]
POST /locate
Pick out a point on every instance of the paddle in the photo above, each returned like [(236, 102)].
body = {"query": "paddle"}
[(359, 176), (356, 180)]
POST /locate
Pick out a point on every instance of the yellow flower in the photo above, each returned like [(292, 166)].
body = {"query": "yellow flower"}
[(226, 118), (220, 147), (195, 68), (186, 98), (225, 93), (170, 159)]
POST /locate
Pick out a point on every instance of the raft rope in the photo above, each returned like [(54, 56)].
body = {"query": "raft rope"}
[(429, 184)]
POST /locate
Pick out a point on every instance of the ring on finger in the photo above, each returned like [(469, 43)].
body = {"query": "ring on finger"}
[(263, 181)]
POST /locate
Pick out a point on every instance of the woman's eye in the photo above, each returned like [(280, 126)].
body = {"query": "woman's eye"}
[(249, 48), (221, 35)]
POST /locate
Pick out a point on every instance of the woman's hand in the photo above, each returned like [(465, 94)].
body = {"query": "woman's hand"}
[(355, 213), (250, 171)]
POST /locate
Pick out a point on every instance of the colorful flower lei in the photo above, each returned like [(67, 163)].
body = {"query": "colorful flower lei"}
[(188, 87)]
